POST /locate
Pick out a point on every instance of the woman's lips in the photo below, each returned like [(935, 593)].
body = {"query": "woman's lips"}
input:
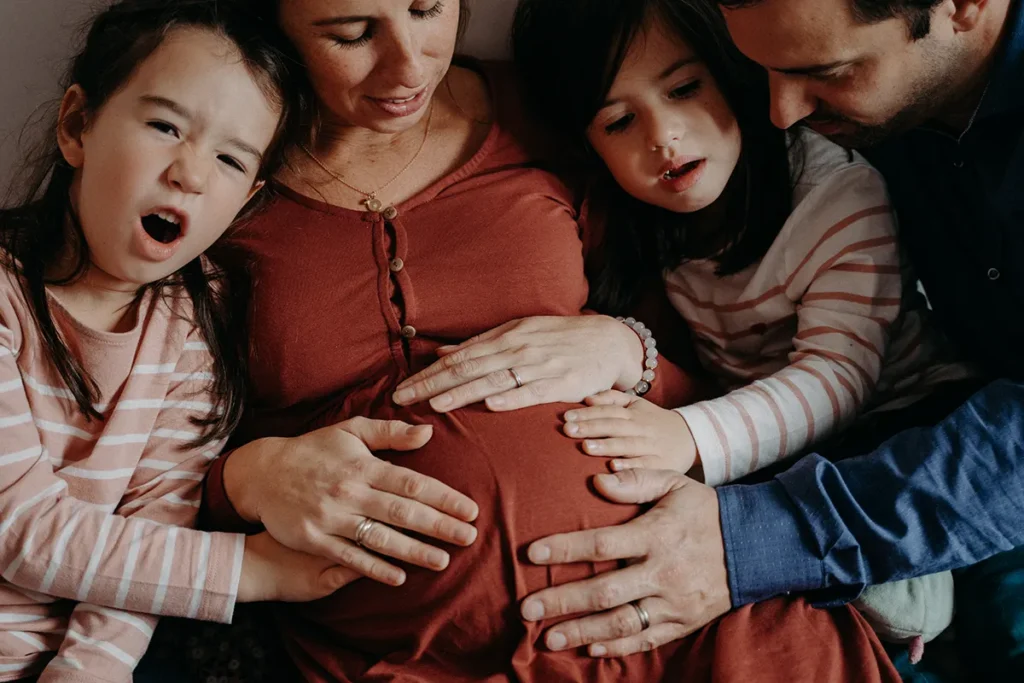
[(400, 107), (680, 177)]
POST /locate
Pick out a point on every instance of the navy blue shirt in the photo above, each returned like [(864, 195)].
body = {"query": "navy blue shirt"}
[(928, 499)]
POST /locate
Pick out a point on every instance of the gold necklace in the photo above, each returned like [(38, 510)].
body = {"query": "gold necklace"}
[(371, 202)]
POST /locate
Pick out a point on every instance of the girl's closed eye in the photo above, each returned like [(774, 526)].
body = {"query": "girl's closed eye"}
[(686, 91), (232, 163), (619, 125), (165, 128)]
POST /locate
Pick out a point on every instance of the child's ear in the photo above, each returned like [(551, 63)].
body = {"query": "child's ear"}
[(256, 187), (71, 124)]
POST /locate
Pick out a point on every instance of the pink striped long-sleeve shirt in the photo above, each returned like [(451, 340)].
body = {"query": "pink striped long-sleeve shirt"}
[(818, 331), (90, 511)]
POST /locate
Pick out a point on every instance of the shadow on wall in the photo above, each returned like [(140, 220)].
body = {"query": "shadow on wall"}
[(37, 36)]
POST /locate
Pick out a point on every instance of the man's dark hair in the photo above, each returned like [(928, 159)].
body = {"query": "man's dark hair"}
[(918, 13)]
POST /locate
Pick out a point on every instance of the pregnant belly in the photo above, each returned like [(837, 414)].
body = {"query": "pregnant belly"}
[(530, 481)]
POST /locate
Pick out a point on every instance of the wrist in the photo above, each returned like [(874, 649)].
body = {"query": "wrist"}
[(252, 581), (243, 478)]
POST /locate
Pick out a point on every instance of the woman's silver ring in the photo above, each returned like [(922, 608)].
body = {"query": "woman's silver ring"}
[(645, 618), (516, 377), (363, 529)]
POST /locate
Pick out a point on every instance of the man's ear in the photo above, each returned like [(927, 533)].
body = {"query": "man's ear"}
[(71, 125), (966, 14)]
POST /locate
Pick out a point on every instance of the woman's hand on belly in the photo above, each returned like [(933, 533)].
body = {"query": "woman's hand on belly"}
[(320, 492), (557, 359), (675, 576)]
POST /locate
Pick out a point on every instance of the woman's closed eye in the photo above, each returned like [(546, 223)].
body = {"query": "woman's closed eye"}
[(435, 11), (357, 38)]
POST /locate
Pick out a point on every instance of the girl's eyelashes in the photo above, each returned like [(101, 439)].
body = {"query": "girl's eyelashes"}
[(164, 127), (686, 90), (232, 163), (618, 125), (435, 11)]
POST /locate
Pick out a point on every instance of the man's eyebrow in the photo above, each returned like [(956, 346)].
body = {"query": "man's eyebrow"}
[(336, 21), (813, 70), (184, 113)]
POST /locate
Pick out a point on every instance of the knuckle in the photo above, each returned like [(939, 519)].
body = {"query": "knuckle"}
[(499, 379), (399, 512), (466, 370), (412, 486), (451, 361), (623, 625), (606, 597), (604, 545), (647, 644), (537, 389), (377, 536)]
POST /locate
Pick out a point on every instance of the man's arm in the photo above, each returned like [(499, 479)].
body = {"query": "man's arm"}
[(928, 500)]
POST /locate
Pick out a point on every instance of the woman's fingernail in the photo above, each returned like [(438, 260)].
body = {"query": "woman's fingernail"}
[(439, 560), (617, 465), (403, 395), (533, 611), (540, 553), (598, 650), (556, 641), (592, 446), (496, 402), (570, 416), (442, 401), (572, 428)]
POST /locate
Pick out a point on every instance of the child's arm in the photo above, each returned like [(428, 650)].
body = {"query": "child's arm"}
[(850, 282)]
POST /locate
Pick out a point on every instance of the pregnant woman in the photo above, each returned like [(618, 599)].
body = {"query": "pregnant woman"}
[(415, 216)]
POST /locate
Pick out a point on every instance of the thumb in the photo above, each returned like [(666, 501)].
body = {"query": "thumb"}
[(337, 577), (638, 485), (382, 435)]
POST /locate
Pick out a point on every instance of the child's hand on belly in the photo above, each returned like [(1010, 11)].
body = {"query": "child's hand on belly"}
[(635, 432)]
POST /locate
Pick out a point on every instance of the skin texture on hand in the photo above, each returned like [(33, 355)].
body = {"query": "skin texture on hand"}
[(633, 431), (558, 359), (675, 568), (313, 492)]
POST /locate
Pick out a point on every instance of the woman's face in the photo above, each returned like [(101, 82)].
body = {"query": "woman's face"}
[(665, 131), (374, 64)]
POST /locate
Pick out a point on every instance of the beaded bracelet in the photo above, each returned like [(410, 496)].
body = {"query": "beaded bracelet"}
[(650, 355)]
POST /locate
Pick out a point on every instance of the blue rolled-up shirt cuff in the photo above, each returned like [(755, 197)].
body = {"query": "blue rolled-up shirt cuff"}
[(767, 551)]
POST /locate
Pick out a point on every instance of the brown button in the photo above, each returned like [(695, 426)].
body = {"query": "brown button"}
[(390, 213), (408, 331), (396, 265)]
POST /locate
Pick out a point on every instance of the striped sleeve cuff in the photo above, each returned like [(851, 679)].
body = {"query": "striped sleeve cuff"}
[(709, 444)]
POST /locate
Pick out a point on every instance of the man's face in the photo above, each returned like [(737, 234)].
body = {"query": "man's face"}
[(854, 82)]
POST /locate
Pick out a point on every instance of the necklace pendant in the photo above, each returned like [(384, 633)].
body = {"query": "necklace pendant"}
[(373, 204)]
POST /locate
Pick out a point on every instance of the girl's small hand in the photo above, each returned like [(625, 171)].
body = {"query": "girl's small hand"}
[(271, 571), (634, 431)]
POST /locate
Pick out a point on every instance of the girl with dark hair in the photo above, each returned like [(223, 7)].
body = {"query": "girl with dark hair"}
[(120, 371), (777, 248)]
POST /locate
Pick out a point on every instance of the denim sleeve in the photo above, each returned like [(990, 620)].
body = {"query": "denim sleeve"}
[(927, 500)]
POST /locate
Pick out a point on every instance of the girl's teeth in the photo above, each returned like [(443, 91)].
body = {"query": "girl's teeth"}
[(169, 217)]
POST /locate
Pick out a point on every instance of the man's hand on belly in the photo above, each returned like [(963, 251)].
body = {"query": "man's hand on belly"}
[(676, 572)]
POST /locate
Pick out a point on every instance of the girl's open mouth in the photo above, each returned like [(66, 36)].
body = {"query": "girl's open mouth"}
[(680, 171), (163, 226)]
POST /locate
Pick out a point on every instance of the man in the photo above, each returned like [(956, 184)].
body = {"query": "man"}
[(934, 92)]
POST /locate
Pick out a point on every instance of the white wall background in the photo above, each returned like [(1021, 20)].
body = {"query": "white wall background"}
[(37, 36)]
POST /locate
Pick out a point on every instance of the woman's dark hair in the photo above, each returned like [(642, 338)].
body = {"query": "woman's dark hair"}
[(917, 13), (40, 226), (568, 53)]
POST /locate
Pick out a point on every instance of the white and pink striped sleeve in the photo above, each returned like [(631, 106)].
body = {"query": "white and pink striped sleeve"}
[(851, 289), (191, 574)]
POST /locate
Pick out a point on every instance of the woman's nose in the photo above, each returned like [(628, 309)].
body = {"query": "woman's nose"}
[(405, 60)]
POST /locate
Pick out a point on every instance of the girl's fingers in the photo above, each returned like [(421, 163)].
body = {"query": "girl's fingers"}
[(609, 412), (620, 447), (645, 462), (610, 398), (601, 428)]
